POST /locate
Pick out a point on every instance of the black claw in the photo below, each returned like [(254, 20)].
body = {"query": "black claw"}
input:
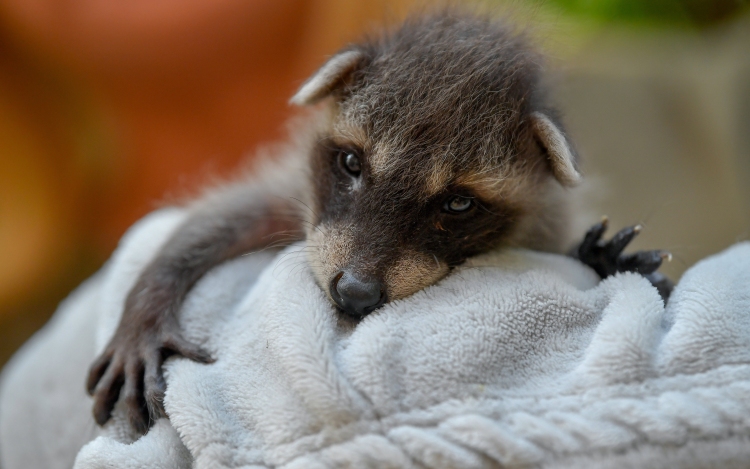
[(133, 363), (642, 262), (620, 241), (592, 237), (606, 257)]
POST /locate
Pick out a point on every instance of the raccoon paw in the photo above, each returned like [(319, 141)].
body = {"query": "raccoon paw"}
[(606, 257), (131, 368)]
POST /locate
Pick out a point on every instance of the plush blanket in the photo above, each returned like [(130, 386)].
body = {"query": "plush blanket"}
[(517, 359)]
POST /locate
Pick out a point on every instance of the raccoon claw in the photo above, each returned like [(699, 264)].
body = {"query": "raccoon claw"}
[(643, 262), (606, 257), (591, 240), (620, 241), (131, 369)]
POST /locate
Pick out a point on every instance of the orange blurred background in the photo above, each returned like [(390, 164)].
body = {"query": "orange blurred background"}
[(109, 109)]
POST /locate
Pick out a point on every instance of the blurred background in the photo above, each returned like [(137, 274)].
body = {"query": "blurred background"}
[(108, 110)]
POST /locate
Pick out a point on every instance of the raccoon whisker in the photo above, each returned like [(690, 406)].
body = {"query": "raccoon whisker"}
[(299, 266), (276, 272), (312, 225), (283, 235), (281, 241), (290, 253), (290, 233), (303, 204), (276, 245), (301, 220)]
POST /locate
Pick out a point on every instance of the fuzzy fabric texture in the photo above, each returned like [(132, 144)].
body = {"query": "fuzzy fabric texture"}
[(518, 359)]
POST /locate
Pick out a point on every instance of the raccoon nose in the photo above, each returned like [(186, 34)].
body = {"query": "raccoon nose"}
[(357, 296)]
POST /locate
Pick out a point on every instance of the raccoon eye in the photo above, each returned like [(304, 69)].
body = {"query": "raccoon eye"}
[(458, 204), (350, 162)]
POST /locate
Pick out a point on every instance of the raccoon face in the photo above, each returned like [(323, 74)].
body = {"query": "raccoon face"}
[(435, 152), (380, 237)]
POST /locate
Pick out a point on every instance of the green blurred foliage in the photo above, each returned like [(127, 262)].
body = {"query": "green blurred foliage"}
[(695, 13)]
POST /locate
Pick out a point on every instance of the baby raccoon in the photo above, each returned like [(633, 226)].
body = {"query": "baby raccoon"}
[(431, 144)]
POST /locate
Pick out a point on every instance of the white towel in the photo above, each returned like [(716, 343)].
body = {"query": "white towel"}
[(517, 359)]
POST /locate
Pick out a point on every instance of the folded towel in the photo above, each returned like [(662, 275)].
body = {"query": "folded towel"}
[(517, 359)]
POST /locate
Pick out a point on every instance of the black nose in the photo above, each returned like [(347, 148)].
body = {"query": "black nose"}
[(357, 296)]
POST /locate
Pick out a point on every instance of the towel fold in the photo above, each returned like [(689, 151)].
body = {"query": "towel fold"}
[(516, 359)]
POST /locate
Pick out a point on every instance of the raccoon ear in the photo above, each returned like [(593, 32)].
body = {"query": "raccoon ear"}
[(562, 156), (329, 77)]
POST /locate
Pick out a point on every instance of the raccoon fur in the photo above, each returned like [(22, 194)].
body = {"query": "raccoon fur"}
[(426, 145)]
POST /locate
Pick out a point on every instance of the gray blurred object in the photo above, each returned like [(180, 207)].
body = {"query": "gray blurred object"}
[(662, 121)]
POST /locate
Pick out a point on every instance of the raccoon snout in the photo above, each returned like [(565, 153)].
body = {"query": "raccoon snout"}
[(357, 296)]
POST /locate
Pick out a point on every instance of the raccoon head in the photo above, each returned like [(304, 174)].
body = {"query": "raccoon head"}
[(439, 146)]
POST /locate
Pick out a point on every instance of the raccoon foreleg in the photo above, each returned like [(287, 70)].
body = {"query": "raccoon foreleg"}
[(238, 219), (606, 257)]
